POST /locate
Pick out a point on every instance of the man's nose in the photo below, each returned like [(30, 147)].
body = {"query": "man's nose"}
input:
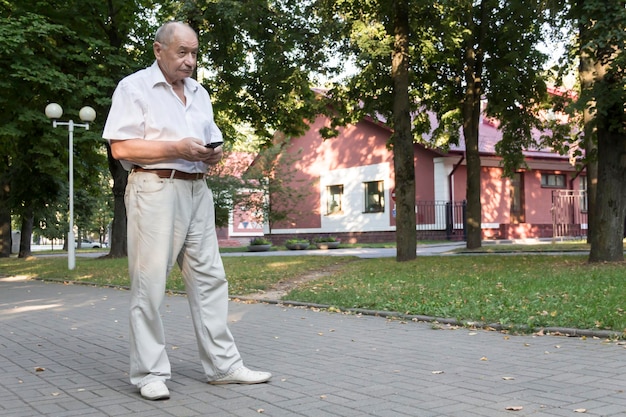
[(190, 60)]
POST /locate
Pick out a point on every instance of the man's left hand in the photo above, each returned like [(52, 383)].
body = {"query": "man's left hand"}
[(214, 156)]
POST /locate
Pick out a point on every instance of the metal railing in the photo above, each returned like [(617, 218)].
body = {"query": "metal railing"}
[(441, 215)]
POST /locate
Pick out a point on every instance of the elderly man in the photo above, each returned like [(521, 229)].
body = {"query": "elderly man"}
[(161, 128)]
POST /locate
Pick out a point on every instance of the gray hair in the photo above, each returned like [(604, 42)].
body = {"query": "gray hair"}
[(165, 33)]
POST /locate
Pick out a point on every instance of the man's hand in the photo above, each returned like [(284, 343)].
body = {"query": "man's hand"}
[(194, 150), (215, 155)]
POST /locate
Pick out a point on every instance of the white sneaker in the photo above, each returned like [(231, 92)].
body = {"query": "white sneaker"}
[(243, 375), (156, 390)]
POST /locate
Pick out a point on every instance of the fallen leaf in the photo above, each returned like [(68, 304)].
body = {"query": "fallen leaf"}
[(514, 408), (39, 369), (484, 358), (580, 410)]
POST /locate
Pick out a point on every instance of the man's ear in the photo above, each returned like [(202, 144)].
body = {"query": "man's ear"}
[(157, 48)]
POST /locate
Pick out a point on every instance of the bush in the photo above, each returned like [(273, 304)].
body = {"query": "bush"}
[(324, 239), (296, 241), (259, 241)]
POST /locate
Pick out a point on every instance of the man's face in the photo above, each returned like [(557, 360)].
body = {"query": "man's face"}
[(177, 59)]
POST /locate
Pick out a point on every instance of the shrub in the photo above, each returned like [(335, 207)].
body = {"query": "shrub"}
[(323, 239), (296, 241), (259, 241)]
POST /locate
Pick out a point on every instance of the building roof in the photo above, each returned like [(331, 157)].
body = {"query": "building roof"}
[(489, 135)]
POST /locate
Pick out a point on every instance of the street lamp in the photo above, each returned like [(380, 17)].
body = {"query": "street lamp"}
[(86, 114)]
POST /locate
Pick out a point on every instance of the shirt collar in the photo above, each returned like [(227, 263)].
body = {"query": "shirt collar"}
[(157, 77)]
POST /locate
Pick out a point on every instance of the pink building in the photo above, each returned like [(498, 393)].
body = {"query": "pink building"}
[(349, 184)]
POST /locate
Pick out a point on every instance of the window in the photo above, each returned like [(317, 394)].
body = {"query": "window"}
[(374, 196), (553, 180), (517, 198), (334, 195)]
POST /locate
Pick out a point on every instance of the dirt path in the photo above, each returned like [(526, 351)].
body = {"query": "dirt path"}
[(278, 291)]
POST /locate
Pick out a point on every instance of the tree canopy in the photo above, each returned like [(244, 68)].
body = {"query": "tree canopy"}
[(459, 53)]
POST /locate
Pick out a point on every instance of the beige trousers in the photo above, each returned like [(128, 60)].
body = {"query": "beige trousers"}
[(171, 220)]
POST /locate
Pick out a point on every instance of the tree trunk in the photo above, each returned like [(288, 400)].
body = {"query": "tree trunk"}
[(403, 153), (474, 209), (5, 233), (117, 240), (586, 76), (592, 188), (471, 118), (5, 220), (607, 238), (27, 233)]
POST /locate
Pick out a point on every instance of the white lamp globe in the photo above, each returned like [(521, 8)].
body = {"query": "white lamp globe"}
[(87, 114), (54, 111)]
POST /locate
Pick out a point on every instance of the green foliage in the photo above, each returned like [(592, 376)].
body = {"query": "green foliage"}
[(605, 39), (296, 241), (72, 53), (259, 241), (321, 239), (260, 58), (467, 52)]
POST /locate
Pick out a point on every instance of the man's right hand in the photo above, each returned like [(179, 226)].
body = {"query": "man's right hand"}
[(193, 149)]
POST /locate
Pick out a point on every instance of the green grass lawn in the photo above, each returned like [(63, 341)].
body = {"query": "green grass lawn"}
[(513, 290), (517, 290)]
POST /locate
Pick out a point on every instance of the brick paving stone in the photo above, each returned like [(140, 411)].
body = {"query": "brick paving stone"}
[(324, 364)]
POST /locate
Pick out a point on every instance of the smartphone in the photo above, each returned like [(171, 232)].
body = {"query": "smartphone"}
[(213, 145)]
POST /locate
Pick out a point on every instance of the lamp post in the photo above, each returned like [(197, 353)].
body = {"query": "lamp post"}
[(86, 114)]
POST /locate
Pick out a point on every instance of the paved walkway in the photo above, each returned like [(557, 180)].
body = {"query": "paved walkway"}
[(63, 352)]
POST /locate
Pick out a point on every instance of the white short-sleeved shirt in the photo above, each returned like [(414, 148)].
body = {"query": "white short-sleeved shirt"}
[(145, 106)]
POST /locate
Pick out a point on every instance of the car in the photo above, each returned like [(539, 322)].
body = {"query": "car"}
[(87, 244)]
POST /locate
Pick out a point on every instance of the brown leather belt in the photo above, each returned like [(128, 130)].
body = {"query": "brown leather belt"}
[(172, 173)]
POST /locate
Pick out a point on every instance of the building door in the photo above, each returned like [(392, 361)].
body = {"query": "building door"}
[(517, 198)]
